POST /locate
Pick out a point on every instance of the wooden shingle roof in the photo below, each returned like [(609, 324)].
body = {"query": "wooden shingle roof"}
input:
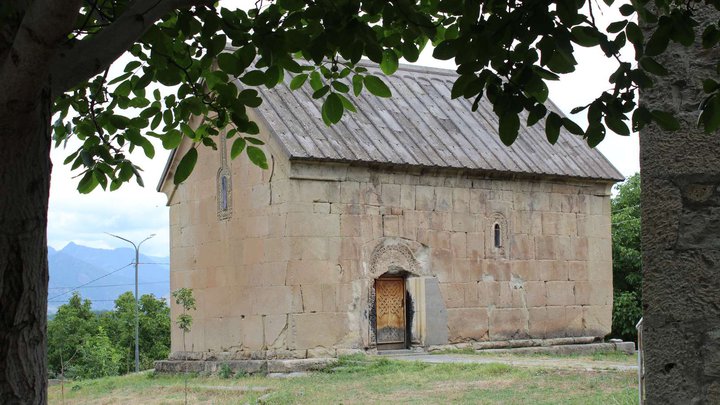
[(421, 126)]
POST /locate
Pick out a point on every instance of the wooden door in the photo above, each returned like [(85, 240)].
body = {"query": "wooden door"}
[(390, 310)]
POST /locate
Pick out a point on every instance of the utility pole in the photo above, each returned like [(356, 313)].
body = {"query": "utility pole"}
[(137, 299)]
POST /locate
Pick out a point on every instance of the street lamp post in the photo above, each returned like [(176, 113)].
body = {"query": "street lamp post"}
[(137, 302)]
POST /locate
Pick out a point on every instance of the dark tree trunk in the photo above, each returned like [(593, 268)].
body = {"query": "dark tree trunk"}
[(681, 235), (24, 189)]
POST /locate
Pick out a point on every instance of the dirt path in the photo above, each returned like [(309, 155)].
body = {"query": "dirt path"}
[(553, 363)]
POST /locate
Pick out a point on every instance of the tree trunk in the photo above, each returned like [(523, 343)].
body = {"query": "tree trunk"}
[(24, 189), (681, 235)]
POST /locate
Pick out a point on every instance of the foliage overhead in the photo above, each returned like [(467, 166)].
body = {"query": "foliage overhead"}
[(506, 51)]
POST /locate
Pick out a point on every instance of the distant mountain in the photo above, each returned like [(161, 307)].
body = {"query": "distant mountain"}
[(100, 275)]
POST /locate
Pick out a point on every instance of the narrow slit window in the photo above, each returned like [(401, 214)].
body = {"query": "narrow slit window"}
[(223, 193), (498, 236)]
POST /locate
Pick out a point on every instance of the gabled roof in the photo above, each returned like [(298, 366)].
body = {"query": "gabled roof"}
[(421, 126)]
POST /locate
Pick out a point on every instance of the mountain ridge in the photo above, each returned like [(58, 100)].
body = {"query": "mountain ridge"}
[(100, 275)]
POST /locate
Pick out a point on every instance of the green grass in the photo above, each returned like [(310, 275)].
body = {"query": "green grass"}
[(360, 380)]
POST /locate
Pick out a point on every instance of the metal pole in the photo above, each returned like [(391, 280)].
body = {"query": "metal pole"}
[(137, 313), (137, 297)]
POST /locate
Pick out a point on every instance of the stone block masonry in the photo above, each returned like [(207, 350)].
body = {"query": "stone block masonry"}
[(291, 272)]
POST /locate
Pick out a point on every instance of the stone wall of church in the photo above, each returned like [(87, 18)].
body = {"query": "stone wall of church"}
[(551, 277), (287, 274)]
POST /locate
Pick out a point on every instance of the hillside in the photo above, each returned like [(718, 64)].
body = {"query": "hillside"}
[(107, 273)]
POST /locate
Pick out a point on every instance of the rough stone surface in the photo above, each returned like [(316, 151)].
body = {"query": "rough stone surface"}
[(681, 224), (245, 366)]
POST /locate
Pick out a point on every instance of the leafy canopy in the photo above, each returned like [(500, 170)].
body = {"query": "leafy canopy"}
[(627, 258), (505, 50), (87, 344)]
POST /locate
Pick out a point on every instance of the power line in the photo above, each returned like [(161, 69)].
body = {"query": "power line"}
[(111, 285), (91, 281), (57, 301)]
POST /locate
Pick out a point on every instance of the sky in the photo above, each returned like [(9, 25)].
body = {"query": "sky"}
[(134, 212)]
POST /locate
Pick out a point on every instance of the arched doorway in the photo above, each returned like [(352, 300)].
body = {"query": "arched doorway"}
[(391, 309)]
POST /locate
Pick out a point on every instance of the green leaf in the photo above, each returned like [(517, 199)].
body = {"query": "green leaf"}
[(100, 178), (298, 81), (634, 34), (376, 86), (253, 78), (250, 98), (229, 63), (710, 116), (257, 156), (186, 166), (571, 126), (87, 183), (340, 86), (665, 120), (553, 122), (144, 81), (316, 81), (658, 41), (710, 85), (627, 9), (650, 65), (595, 135), (617, 26), (237, 147), (172, 139), (710, 36), (585, 36), (321, 92), (357, 82), (445, 50), (119, 121), (147, 147), (410, 52), (132, 65), (273, 76), (641, 117), (617, 125), (346, 103), (120, 78), (389, 62), (536, 114), (332, 109), (460, 84), (509, 127)]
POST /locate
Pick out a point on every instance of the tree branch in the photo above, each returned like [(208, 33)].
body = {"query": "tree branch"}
[(95, 53), (24, 69)]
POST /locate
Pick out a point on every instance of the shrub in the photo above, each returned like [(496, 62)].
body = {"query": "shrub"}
[(626, 313), (225, 371)]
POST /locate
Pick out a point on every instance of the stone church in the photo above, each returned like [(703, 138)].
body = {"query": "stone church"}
[(406, 224)]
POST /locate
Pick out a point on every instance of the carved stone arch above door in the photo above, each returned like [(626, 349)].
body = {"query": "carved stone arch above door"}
[(398, 256)]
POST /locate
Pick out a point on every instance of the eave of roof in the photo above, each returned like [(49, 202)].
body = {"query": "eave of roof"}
[(420, 126)]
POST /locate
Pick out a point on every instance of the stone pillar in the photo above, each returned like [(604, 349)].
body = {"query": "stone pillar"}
[(681, 235)]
